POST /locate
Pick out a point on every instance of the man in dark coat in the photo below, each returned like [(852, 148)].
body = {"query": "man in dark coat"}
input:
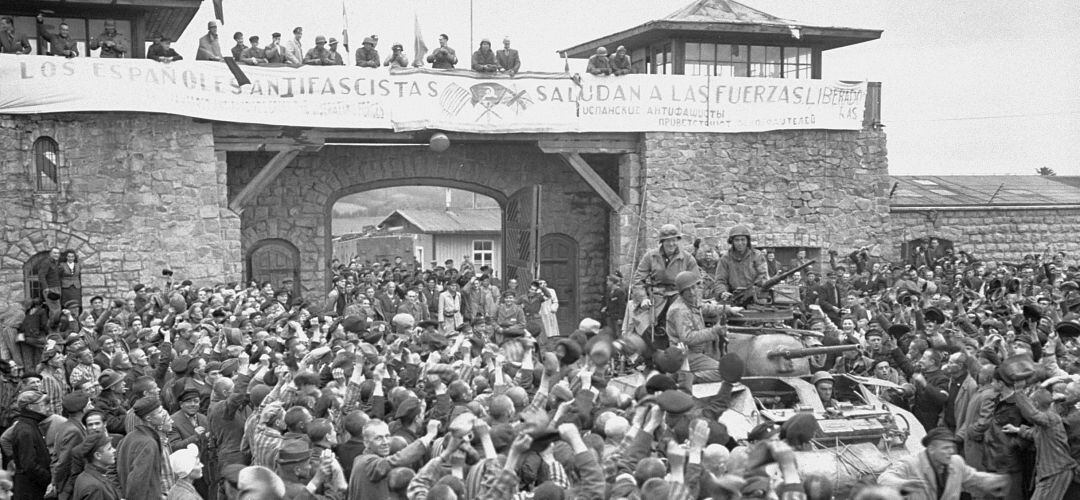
[(32, 476), (141, 460), (508, 59), (191, 427), (931, 389), (49, 277), (11, 41), (69, 435), (98, 452)]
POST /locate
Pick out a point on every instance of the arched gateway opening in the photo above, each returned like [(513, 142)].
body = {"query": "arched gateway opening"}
[(296, 204), (421, 225)]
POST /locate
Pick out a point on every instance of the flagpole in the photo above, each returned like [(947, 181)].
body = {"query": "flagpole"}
[(345, 32), (470, 26)]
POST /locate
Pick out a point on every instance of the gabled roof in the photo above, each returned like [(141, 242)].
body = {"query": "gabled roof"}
[(726, 21), (981, 191), (435, 221), (354, 225)]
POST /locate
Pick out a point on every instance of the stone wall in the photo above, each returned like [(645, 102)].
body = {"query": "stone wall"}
[(992, 233), (809, 188), (139, 192), (296, 205)]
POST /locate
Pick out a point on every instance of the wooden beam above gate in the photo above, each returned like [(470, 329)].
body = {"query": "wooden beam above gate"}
[(577, 145), (593, 179), (255, 137), (266, 175)]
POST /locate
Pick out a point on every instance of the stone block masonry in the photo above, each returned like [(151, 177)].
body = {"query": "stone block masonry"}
[(138, 193), (809, 188), (994, 233)]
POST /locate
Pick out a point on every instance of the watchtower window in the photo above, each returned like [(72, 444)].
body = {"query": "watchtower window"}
[(47, 164)]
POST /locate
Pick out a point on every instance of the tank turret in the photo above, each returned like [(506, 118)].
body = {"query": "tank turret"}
[(777, 354)]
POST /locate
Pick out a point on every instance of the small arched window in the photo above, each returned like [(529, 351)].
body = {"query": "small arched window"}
[(47, 164)]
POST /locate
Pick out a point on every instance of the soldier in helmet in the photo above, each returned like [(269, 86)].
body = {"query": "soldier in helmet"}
[(686, 327), (656, 273), (659, 267), (742, 266), (366, 55), (823, 382)]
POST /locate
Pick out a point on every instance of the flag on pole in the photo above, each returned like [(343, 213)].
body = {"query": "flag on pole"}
[(419, 46), (219, 13), (345, 29)]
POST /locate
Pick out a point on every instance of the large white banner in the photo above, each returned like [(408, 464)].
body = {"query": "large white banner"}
[(412, 99)]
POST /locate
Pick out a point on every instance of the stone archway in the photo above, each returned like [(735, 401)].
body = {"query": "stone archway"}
[(297, 204)]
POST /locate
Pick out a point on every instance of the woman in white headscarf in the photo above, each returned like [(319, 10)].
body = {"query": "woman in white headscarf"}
[(187, 468)]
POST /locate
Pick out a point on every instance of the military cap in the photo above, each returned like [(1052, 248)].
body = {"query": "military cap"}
[(188, 395), (938, 434)]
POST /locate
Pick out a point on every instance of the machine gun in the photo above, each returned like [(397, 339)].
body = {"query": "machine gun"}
[(747, 296)]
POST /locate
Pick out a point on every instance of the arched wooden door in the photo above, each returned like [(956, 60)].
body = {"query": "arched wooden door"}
[(275, 260), (558, 266)]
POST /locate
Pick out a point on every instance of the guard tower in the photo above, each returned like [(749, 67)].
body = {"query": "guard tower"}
[(138, 20), (726, 38)]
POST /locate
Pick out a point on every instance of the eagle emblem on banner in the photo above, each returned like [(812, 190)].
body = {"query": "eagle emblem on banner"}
[(492, 100)]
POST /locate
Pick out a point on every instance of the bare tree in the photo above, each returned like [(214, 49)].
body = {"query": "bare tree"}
[(1045, 171)]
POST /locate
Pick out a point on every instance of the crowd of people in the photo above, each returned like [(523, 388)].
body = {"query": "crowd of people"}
[(292, 52), (445, 382)]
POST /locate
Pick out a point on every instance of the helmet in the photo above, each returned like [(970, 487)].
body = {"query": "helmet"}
[(668, 231), (320, 39), (686, 279), (739, 230), (821, 376)]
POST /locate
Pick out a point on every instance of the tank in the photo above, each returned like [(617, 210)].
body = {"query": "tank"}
[(862, 435)]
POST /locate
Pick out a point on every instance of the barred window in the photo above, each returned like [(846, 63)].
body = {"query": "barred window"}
[(47, 164)]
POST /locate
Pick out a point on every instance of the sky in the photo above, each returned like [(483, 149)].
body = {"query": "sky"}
[(969, 87)]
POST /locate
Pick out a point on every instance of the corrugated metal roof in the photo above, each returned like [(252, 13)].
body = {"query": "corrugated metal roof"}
[(458, 220), (710, 11), (982, 190)]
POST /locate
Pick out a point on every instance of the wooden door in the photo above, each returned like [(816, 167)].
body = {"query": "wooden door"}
[(558, 266), (275, 260), (521, 230)]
